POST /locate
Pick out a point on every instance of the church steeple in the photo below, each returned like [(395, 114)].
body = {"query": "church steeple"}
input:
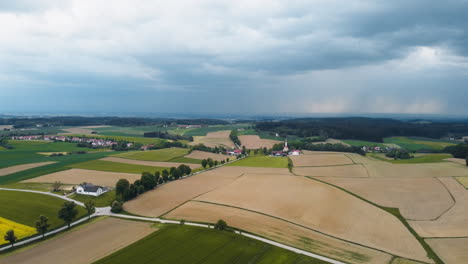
[(286, 149)]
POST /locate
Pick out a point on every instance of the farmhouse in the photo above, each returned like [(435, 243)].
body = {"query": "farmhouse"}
[(91, 189), (234, 152)]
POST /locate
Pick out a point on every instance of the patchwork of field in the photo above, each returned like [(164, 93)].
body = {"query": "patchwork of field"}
[(321, 160), (196, 154), (25, 208), (17, 168), (278, 230), (417, 198), (187, 245), (262, 161), (295, 202), (255, 142), (214, 139), (453, 222), (166, 154), (21, 231), (155, 164), (354, 170), (84, 245), (450, 250), (77, 176), (168, 196)]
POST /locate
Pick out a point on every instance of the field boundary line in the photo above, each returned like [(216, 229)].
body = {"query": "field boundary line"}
[(296, 224)]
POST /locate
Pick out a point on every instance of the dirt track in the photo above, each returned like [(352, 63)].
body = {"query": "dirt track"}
[(17, 168), (77, 176), (83, 245), (281, 231), (150, 163), (255, 142)]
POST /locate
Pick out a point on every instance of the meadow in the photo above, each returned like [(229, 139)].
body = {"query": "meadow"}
[(184, 244), (418, 144), (101, 201), (167, 154), (262, 161), (102, 165), (25, 208)]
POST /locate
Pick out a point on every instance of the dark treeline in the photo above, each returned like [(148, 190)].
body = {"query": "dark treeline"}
[(302, 145), (166, 135), (371, 129), (202, 147), (4, 143), (234, 138), (459, 151), (22, 122)]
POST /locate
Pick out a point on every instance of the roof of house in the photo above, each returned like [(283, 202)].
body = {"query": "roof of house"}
[(89, 187)]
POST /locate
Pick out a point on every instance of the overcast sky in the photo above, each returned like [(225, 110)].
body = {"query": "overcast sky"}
[(243, 56)]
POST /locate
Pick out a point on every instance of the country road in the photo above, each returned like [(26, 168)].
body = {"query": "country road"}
[(105, 211)]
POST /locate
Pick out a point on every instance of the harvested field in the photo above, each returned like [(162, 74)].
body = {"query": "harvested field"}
[(165, 154), (214, 139), (459, 161), (2, 127), (417, 198), (150, 163), (255, 142), (81, 130), (17, 168), (450, 250), (453, 222), (320, 207), (354, 170), (77, 176), (404, 261), (320, 160), (166, 197), (280, 231), (86, 244), (196, 154)]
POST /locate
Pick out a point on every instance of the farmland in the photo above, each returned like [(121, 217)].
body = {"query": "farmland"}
[(86, 244), (255, 142), (21, 231), (199, 155), (262, 161), (102, 165), (320, 160), (214, 139), (419, 158), (463, 181), (183, 244), (451, 250), (162, 164), (155, 155), (25, 208), (18, 168), (77, 176), (415, 144)]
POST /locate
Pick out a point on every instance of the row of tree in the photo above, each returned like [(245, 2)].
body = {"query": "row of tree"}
[(4, 143), (234, 138), (125, 191), (202, 147), (67, 213), (399, 154), (166, 135)]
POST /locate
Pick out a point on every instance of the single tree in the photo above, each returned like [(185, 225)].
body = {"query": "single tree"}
[(10, 237), (68, 212), (210, 162), (121, 188), (204, 163), (90, 206), (116, 207), (221, 225), (42, 225), (165, 175), (147, 180), (56, 186)]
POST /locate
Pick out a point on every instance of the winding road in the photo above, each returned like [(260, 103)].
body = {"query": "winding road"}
[(105, 211)]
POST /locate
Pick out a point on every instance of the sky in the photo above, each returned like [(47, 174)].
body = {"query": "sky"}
[(239, 57)]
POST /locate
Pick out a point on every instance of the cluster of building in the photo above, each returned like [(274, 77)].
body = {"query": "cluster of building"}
[(95, 142), (189, 126), (91, 189), (234, 152), (286, 151)]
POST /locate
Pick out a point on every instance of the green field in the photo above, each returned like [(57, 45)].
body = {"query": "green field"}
[(134, 139), (102, 165), (205, 130), (26, 151), (421, 158), (362, 143), (186, 245), (101, 201), (186, 160), (167, 154), (415, 144), (25, 208), (262, 161), (133, 131)]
